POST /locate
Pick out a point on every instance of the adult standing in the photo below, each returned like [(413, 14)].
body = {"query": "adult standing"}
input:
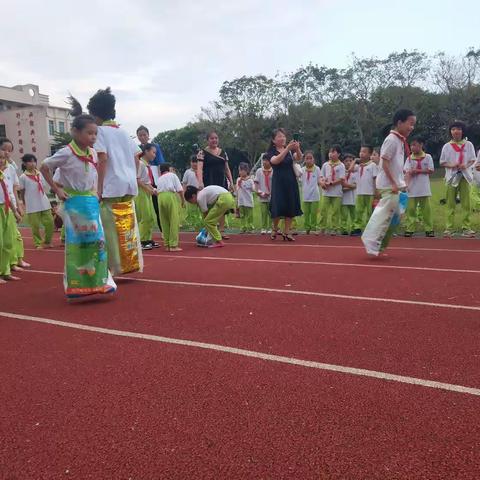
[(285, 200), (213, 169), (143, 136)]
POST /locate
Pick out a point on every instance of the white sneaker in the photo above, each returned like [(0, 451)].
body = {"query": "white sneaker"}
[(468, 233), (263, 232), (315, 232), (448, 233), (269, 232)]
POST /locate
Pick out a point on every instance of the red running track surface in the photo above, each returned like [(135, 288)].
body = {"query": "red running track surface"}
[(100, 406)]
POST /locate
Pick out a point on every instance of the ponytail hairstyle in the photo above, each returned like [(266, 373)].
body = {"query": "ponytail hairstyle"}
[(146, 147), (28, 157), (80, 119), (102, 105)]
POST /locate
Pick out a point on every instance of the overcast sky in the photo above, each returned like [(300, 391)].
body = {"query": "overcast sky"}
[(166, 59)]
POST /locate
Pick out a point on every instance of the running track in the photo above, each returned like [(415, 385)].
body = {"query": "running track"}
[(260, 360)]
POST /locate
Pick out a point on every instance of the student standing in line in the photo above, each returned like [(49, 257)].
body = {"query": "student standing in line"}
[(458, 156), (349, 187), (263, 187), (244, 189), (37, 204), (418, 168), (310, 180)]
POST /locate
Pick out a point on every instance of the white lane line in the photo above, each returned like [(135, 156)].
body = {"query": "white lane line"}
[(252, 354), (286, 291), (297, 262)]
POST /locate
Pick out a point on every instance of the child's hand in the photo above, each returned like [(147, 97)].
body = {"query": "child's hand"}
[(200, 155), (462, 166), (18, 216), (62, 195), (477, 168)]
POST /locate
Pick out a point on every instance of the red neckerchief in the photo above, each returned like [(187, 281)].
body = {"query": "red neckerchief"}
[(150, 173), (362, 166), (86, 160), (266, 176), (309, 172), (419, 160), (5, 193), (404, 140), (36, 178), (332, 167), (460, 150)]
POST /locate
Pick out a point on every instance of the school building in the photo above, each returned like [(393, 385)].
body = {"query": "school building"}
[(29, 121)]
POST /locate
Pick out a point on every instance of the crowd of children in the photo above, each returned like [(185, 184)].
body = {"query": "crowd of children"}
[(111, 192)]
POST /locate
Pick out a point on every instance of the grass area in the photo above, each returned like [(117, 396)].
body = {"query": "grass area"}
[(439, 211)]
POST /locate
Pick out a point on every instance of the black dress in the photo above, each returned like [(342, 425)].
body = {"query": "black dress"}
[(214, 169), (285, 199)]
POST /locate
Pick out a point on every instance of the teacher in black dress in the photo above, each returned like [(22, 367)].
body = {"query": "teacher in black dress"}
[(285, 199), (213, 169)]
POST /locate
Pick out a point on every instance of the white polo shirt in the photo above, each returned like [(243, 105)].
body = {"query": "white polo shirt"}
[(350, 196), (208, 196), (36, 199), (121, 172), (190, 178), (393, 149), (367, 173), (9, 181), (169, 182), (142, 173), (419, 184), (449, 155), (331, 174), (310, 188), (72, 172), (245, 192), (261, 176)]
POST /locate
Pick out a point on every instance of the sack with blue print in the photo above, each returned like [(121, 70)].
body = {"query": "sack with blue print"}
[(204, 239)]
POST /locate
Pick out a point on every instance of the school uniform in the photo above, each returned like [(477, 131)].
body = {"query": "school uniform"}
[(263, 182), (419, 191), (8, 225), (144, 205), (458, 181), (168, 188), (245, 189), (348, 203), (332, 196), (214, 201), (475, 186), (37, 207), (18, 251), (310, 177), (379, 226), (154, 175), (118, 190), (86, 260), (365, 192), (193, 218)]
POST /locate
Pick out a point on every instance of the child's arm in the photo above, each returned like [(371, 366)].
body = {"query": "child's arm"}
[(101, 169), (182, 198), (56, 187), (146, 187)]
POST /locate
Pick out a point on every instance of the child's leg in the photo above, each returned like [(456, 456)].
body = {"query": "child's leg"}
[(250, 219), (451, 204), (350, 218), (243, 218), (360, 212), (164, 208), (141, 209), (48, 225), (265, 215), (307, 211), (18, 251), (464, 189), (411, 214), (327, 212), (426, 210), (34, 220), (336, 210), (7, 238), (224, 203), (150, 220), (174, 221)]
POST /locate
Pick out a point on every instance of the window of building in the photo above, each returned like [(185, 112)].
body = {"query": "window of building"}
[(51, 128), (61, 127), (3, 131)]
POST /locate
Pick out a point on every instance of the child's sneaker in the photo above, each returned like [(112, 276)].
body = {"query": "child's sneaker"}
[(408, 234), (219, 244), (448, 233), (263, 232), (356, 233), (468, 233), (345, 233), (430, 234)]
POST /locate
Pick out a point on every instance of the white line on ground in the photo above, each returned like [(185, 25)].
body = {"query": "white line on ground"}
[(287, 291), (253, 354), (298, 262)]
